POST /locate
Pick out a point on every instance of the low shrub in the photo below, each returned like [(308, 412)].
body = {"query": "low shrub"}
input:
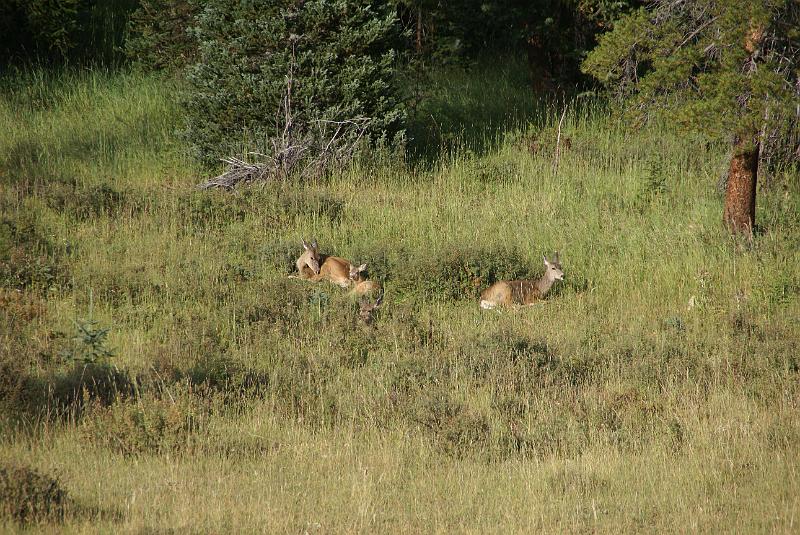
[(28, 258), (149, 424), (455, 428), (28, 496), (460, 273)]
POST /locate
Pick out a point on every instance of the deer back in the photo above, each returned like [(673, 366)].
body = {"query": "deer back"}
[(335, 270)]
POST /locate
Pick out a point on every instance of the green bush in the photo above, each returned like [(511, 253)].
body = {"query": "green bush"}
[(159, 36), (58, 30), (461, 273), (337, 58)]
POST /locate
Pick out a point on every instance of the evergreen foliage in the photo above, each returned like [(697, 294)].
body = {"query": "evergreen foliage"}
[(60, 30), (555, 34), (721, 67), (334, 59), (159, 36)]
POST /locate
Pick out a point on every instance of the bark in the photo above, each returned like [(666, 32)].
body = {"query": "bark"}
[(739, 215)]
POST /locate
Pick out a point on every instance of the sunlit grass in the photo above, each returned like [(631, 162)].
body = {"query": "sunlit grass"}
[(655, 390)]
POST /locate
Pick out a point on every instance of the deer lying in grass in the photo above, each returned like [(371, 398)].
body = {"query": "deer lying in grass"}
[(309, 261), (523, 292), (367, 312), (314, 266), (362, 286)]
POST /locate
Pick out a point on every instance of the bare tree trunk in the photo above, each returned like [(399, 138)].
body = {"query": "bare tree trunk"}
[(739, 215)]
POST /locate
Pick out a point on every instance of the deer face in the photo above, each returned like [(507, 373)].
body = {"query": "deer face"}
[(356, 271), (553, 268), (311, 256), (367, 310)]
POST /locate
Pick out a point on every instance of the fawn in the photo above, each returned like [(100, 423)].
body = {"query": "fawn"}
[(367, 311), (314, 266), (362, 286), (523, 292)]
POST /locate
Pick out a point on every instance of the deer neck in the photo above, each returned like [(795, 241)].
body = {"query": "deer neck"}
[(544, 284)]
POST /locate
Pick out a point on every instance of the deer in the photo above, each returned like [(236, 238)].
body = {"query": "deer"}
[(367, 310), (314, 266), (523, 292), (362, 286), (308, 264)]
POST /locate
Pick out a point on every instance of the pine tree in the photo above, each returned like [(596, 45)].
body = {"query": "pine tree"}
[(727, 68), (326, 60)]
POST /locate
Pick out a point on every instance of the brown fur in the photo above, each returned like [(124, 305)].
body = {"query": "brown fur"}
[(314, 266), (308, 264), (507, 293), (335, 270), (367, 310), (522, 292), (362, 286)]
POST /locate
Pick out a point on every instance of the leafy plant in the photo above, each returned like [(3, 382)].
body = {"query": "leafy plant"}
[(89, 344)]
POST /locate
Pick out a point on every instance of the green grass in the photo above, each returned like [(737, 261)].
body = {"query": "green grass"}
[(655, 390)]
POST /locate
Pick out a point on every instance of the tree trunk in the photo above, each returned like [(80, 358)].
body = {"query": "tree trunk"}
[(739, 215)]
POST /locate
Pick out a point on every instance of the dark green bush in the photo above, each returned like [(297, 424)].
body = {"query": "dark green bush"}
[(50, 30), (337, 58), (159, 36), (70, 392)]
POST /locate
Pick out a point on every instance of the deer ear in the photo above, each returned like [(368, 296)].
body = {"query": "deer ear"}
[(555, 258), (546, 263), (305, 245), (362, 267), (314, 244)]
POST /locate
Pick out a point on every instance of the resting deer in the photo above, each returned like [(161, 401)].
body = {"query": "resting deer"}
[(367, 312), (523, 292), (314, 266), (362, 286), (309, 261)]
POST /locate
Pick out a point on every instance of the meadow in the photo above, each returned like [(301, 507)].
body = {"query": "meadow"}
[(157, 362)]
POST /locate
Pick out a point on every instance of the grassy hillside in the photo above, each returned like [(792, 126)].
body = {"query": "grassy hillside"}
[(655, 390)]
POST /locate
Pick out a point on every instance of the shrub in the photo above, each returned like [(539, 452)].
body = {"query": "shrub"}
[(29, 496), (333, 61), (461, 273), (159, 37), (89, 383), (456, 429), (28, 259), (88, 344), (148, 425)]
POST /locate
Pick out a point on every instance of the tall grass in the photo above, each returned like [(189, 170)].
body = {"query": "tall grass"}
[(655, 390)]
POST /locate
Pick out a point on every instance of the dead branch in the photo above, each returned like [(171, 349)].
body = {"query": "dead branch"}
[(304, 151)]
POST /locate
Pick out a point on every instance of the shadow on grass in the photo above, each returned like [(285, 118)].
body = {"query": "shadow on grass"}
[(470, 109)]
